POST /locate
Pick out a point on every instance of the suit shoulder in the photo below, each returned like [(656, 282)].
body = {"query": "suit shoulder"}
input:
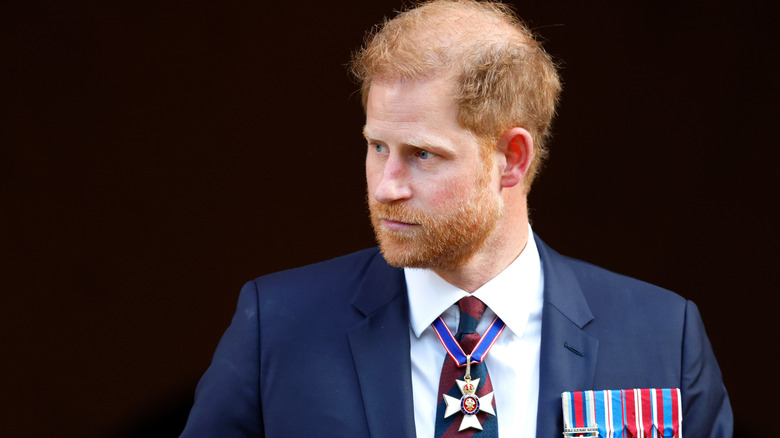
[(346, 269), (610, 293), (600, 283), (595, 279)]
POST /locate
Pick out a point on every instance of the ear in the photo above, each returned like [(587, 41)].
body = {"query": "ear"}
[(517, 147)]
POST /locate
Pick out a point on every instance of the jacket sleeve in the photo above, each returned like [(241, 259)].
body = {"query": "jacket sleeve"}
[(227, 398), (706, 406)]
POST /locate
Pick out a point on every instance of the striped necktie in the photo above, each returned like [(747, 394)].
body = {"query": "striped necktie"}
[(471, 310)]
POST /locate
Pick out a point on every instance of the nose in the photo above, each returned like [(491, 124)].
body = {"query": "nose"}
[(393, 185)]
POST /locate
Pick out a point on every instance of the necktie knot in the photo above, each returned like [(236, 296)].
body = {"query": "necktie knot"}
[(471, 310)]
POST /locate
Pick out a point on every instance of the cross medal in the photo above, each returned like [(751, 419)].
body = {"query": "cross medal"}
[(469, 404)]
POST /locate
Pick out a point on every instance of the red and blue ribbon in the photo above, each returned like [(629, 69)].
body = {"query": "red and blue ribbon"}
[(624, 413), (480, 350)]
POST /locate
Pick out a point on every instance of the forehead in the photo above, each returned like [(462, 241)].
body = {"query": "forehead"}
[(420, 110), (431, 96)]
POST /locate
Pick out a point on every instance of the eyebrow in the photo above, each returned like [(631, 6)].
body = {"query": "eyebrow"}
[(432, 143)]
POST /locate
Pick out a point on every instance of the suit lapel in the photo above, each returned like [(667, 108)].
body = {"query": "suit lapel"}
[(380, 349), (568, 354)]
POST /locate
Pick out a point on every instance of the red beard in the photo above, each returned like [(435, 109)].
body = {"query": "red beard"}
[(443, 239)]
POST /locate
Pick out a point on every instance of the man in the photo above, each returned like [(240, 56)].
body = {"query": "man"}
[(458, 98)]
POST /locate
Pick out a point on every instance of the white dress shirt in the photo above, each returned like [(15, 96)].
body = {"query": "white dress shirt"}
[(515, 295)]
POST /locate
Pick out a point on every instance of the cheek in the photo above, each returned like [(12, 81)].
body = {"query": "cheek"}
[(373, 172), (448, 192)]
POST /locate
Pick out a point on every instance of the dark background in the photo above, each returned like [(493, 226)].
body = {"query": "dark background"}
[(157, 155)]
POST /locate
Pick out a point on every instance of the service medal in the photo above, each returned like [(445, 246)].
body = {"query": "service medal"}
[(469, 404)]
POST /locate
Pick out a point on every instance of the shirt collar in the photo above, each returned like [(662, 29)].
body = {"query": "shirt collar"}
[(510, 294)]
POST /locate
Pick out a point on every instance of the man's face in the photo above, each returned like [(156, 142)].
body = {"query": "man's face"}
[(432, 194)]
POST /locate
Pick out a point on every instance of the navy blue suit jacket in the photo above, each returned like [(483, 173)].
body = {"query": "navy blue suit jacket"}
[(323, 351)]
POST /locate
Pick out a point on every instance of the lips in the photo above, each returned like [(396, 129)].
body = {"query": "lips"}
[(397, 225)]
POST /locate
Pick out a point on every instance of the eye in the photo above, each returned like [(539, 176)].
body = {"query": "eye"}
[(379, 148), (425, 155)]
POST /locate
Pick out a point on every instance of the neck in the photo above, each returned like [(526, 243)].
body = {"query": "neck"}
[(502, 248)]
